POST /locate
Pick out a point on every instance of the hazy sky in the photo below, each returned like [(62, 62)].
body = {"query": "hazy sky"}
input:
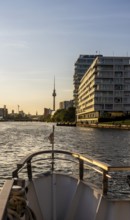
[(40, 39)]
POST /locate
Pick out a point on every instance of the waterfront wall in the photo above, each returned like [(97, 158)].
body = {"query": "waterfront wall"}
[(117, 126)]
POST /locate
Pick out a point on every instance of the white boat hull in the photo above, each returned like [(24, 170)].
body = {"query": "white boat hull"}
[(60, 197)]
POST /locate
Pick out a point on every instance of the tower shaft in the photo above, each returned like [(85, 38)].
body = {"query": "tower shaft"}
[(54, 95)]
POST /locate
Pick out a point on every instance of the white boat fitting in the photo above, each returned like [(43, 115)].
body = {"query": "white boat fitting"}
[(42, 189)]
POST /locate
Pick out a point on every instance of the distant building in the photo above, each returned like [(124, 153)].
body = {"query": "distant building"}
[(22, 113), (66, 104), (104, 90), (47, 111), (81, 66), (3, 112), (13, 112)]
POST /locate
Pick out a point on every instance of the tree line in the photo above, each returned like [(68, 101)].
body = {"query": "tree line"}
[(62, 115)]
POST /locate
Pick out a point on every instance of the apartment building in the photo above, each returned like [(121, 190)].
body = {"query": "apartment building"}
[(104, 90), (81, 66)]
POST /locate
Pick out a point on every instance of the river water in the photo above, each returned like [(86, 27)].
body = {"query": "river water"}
[(17, 139)]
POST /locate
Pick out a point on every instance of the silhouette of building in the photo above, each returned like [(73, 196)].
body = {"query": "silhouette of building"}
[(47, 111), (3, 112)]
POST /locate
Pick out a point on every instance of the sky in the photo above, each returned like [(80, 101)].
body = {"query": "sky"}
[(42, 39)]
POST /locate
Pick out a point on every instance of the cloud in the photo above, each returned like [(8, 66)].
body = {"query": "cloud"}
[(16, 44)]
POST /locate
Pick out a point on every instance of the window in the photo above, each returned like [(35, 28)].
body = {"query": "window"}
[(118, 67), (118, 87), (108, 106), (118, 74), (118, 100)]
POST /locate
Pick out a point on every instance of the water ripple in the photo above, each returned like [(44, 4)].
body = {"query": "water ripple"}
[(17, 139)]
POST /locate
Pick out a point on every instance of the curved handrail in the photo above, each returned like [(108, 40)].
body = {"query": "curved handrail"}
[(88, 159), (104, 167)]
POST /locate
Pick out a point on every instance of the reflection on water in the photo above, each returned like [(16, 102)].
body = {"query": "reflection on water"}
[(17, 139)]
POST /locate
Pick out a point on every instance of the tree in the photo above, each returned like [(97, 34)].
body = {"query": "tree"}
[(71, 114), (63, 115)]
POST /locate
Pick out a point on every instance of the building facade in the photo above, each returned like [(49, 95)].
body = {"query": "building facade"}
[(81, 66), (66, 104), (104, 90), (47, 111)]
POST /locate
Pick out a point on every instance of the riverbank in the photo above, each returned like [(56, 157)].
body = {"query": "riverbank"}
[(70, 124), (103, 125)]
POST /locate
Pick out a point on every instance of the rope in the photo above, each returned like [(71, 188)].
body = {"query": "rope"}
[(17, 206)]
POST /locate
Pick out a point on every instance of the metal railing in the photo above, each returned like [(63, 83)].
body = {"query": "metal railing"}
[(98, 166)]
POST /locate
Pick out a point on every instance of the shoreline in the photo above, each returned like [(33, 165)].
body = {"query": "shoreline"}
[(119, 126)]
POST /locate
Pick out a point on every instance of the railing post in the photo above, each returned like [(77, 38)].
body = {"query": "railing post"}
[(15, 174), (52, 163), (52, 142), (105, 182), (81, 169), (29, 170)]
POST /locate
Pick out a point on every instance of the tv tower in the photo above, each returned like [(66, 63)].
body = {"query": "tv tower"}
[(54, 95)]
